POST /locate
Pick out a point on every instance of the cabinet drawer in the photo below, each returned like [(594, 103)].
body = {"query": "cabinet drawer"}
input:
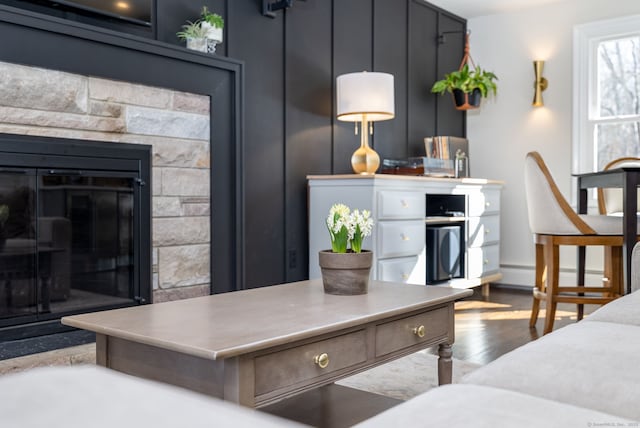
[(480, 203), (291, 366), (483, 230), (400, 205), (403, 333), (483, 260), (409, 270), (400, 238)]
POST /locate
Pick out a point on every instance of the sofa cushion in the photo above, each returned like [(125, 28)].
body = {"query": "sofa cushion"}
[(588, 364), (482, 406), (91, 396), (625, 310)]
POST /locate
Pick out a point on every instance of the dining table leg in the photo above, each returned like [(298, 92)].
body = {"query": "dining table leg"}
[(630, 223), (580, 265)]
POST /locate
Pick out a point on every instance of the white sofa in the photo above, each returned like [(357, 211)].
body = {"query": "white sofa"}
[(583, 375), (92, 396)]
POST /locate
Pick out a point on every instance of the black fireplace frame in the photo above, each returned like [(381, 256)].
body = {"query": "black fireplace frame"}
[(48, 42), (24, 151)]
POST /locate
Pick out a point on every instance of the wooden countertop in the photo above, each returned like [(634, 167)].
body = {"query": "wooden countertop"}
[(471, 181)]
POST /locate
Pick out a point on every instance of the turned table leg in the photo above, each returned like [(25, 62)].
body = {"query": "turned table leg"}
[(445, 364)]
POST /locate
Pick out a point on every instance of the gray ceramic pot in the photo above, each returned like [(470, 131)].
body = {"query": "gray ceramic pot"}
[(345, 273)]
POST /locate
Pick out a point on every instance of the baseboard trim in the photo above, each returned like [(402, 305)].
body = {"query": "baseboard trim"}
[(523, 276)]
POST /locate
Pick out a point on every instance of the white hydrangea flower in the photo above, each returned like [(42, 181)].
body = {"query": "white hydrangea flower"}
[(366, 226), (338, 216), (348, 227), (338, 225)]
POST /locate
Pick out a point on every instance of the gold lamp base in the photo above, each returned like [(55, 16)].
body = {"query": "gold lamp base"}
[(365, 160)]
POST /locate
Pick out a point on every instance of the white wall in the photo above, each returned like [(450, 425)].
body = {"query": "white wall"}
[(506, 128)]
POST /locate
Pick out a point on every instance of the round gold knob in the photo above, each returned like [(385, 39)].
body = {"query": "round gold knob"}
[(419, 331), (321, 360)]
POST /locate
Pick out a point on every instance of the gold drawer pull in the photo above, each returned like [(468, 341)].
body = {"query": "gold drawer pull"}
[(487, 231), (405, 276), (404, 237), (321, 360), (419, 331), (486, 261), (404, 203)]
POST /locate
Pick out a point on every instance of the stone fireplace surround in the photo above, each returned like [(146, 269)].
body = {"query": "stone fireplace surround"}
[(73, 81), (50, 103)]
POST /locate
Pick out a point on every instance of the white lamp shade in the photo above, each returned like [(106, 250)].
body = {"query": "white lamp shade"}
[(365, 93)]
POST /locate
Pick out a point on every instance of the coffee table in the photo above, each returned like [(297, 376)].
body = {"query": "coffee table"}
[(257, 347)]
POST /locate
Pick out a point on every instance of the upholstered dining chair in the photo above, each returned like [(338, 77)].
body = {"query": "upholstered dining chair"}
[(610, 201), (554, 223)]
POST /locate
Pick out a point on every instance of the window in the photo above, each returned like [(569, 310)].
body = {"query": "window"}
[(616, 113), (606, 92)]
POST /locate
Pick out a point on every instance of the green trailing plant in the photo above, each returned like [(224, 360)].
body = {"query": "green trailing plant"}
[(213, 19), (467, 80), (192, 30)]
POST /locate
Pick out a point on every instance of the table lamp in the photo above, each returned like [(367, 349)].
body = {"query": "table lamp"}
[(365, 97)]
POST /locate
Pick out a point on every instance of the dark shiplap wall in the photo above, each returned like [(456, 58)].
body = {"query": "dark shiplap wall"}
[(291, 131)]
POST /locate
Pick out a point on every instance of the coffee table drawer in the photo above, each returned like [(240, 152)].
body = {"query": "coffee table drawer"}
[(406, 332), (295, 365)]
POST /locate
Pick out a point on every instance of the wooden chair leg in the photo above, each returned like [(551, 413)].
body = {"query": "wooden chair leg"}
[(613, 271), (552, 262), (538, 285)]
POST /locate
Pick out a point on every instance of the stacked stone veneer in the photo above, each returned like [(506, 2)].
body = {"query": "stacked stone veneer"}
[(35, 101)]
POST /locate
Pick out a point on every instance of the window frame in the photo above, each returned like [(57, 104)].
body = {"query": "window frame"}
[(586, 38)]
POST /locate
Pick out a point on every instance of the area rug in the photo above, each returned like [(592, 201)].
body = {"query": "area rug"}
[(406, 377)]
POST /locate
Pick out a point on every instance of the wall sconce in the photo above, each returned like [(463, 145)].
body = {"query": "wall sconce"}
[(365, 97), (540, 83)]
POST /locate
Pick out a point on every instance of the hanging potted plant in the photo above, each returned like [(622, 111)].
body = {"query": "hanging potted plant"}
[(346, 271), (468, 85)]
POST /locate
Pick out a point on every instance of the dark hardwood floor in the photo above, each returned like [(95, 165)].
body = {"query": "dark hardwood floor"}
[(487, 328)]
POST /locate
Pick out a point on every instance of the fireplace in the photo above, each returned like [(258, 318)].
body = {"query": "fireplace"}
[(73, 81), (75, 233)]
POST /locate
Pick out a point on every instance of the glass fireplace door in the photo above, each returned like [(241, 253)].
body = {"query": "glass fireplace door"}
[(86, 223), (18, 248), (75, 231)]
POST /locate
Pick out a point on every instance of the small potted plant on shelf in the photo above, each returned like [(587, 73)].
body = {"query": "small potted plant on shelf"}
[(346, 270), (204, 34), (194, 35), (213, 23), (467, 86)]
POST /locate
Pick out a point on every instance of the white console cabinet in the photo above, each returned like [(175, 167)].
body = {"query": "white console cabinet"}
[(398, 207)]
